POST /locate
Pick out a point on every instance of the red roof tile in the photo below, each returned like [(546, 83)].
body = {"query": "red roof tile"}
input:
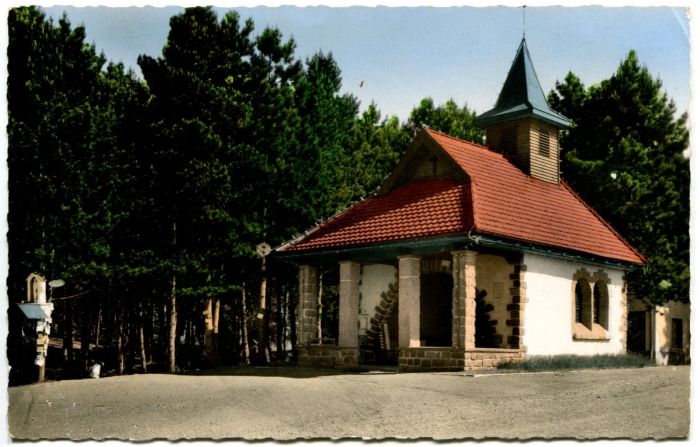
[(508, 202), (417, 210), (500, 200)]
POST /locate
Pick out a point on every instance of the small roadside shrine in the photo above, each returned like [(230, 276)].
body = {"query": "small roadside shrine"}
[(38, 313), (470, 255)]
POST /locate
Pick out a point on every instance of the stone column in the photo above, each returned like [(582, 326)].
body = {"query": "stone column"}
[(409, 301), (349, 292), (623, 319), (464, 299), (307, 310)]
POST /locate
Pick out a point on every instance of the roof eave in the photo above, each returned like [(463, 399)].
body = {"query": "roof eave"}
[(496, 116), (553, 252), (418, 246), (377, 250)]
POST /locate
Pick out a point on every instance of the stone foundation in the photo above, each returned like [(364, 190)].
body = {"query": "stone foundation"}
[(451, 359), (321, 355)]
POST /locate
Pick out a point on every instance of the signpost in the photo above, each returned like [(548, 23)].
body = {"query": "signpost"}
[(38, 309)]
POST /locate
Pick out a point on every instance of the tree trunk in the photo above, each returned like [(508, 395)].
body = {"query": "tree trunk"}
[(209, 330), (148, 331), (164, 334), (142, 338), (172, 338), (84, 332), (97, 330), (320, 303), (120, 336), (280, 319), (217, 312), (244, 326), (68, 331), (263, 318)]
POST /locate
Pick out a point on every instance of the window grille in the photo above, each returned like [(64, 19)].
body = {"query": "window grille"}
[(544, 142)]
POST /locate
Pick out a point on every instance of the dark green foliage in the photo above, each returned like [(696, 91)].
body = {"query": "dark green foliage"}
[(624, 156), (325, 134), (569, 362), (374, 149), (71, 148), (197, 114), (447, 118)]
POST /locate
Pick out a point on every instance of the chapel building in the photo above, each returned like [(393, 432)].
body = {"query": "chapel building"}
[(470, 255)]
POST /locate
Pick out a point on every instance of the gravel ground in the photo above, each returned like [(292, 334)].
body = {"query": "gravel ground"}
[(288, 403)]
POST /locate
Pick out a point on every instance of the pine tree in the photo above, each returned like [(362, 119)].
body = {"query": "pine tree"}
[(327, 120), (447, 118), (624, 155), (368, 160)]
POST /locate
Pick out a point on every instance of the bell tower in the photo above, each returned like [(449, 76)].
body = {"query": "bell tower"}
[(522, 125)]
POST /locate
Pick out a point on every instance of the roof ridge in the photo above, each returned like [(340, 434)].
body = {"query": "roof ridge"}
[(479, 145), (605, 222)]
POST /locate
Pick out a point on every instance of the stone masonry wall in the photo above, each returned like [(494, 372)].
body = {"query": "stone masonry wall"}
[(451, 359), (307, 310), (518, 293), (623, 318), (334, 356), (463, 299)]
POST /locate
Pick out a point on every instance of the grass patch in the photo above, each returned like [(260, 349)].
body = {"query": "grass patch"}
[(568, 362)]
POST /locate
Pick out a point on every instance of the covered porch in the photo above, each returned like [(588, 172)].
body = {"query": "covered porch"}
[(422, 304)]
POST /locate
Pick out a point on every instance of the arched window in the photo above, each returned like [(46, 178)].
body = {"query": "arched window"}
[(590, 306), (600, 304), (579, 303), (583, 303)]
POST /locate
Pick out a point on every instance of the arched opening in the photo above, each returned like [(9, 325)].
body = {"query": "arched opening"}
[(436, 309), (484, 327), (600, 304), (583, 303)]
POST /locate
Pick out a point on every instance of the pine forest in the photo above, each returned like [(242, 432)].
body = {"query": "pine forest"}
[(148, 197)]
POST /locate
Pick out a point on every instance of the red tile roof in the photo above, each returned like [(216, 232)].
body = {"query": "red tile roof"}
[(423, 209), (500, 200)]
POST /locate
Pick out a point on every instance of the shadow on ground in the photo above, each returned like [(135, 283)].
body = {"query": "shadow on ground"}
[(290, 371)]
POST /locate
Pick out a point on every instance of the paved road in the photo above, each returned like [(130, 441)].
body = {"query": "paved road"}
[(289, 404)]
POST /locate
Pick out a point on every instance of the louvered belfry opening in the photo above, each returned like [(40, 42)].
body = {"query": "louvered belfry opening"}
[(544, 142)]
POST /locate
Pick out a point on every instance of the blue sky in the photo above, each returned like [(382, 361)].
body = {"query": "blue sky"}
[(404, 54)]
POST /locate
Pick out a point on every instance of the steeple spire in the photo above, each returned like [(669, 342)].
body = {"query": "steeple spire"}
[(522, 96), (521, 125)]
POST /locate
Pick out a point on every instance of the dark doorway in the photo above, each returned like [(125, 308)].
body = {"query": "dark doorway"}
[(636, 332), (388, 352), (436, 309)]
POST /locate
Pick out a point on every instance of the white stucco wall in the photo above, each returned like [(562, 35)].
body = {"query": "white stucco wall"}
[(548, 311), (374, 280)]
